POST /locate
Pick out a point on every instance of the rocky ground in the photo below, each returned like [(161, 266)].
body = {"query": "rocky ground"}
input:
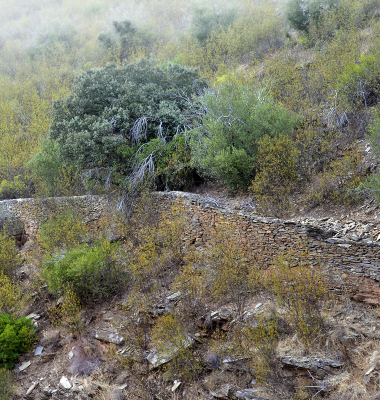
[(344, 363), (62, 366)]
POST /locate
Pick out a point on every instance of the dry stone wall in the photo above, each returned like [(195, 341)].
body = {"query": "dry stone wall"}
[(352, 264)]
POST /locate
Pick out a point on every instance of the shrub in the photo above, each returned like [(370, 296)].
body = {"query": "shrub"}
[(9, 257), (229, 265), (93, 273), (207, 19), (338, 182), (12, 300), (372, 184), (112, 107), (14, 189), (300, 289), (225, 145), (155, 259), (173, 170), (277, 162), (359, 82), (173, 343), (257, 340), (67, 315), (16, 337), (127, 40), (52, 176), (301, 12), (6, 384), (64, 230)]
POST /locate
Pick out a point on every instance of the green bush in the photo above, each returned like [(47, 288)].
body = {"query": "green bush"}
[(16, 337), (12, 300), (6, 384), (173, 170), (360, 82), (301, 12), (225, 144), (207, 19), (91, 272), (112, 107)]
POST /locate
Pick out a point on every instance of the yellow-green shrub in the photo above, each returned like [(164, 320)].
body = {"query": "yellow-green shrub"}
[(12, 300), (256, 340), (277, 162), (9, 257), (300, 289), (67, 314), (173, 342), (63, 230), (338, 182)]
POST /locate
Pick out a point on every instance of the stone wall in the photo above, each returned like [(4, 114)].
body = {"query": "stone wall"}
[(352, 265)]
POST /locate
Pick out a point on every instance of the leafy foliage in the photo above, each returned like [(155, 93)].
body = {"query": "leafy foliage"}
[(16, 337), (206, 19), (278, 173), (64, 230), (113, 107), (129, 39), (225, 146), (301, 12), (92, 273)]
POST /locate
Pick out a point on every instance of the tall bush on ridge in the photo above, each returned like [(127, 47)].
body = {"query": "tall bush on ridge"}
[(127, 39), (207, 19), (224, 146), (301, 12)]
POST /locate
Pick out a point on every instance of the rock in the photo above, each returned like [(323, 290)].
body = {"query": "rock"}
[(11, 224), (174, 296), (109, 336), (319, 366), (224, 393), (248, 394), (368, 292), (65, 383), (33, 316), (70, 355), (31, 388), (24, 366), (176, 385), (374, 362), (221, 315), (38, 351), (156, 359)]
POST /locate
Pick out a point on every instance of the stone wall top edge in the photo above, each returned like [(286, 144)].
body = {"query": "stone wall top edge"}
[(46, 199)]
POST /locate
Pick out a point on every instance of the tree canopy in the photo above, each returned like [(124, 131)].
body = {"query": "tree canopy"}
[(113, 106)]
